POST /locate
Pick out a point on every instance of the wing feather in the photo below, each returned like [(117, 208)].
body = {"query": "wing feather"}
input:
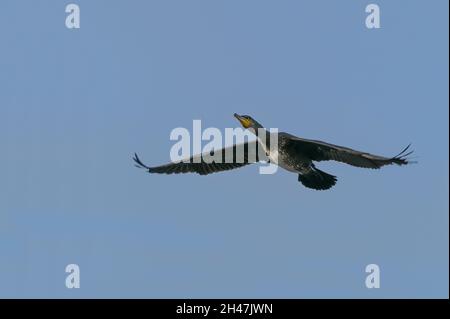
[(322, 151), (208, 163)]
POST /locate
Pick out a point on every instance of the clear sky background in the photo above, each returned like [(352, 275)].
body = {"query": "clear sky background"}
[(76, 104)]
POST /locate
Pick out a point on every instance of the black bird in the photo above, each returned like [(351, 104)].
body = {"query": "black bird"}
[(292, 153)]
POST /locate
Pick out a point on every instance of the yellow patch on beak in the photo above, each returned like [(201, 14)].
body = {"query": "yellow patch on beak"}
[(246, 123)]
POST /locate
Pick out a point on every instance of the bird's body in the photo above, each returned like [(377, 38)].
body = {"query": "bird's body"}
[(294, 154), (281, 156)]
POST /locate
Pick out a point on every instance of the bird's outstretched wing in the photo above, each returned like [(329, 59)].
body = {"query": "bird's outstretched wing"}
[(207, 163), (321, 151)]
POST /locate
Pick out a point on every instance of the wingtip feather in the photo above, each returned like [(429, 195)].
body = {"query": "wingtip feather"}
[(138, 162), (402, 157)]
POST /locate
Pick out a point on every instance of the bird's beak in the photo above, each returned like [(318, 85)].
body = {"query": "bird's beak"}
[(244, 122)]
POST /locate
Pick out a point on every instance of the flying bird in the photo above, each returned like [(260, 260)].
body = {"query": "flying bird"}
[(294, 154)]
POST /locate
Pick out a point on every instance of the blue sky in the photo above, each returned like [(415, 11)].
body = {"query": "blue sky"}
[(76, 104)]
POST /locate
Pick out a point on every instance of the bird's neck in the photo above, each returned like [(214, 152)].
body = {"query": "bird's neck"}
[(263, 136)]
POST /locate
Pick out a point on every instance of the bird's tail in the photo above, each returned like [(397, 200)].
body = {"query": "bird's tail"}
[(317, 179)]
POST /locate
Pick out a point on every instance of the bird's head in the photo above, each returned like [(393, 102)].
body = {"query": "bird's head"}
[(247, 121)]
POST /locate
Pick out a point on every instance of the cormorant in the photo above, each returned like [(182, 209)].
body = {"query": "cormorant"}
[(292, 153)]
